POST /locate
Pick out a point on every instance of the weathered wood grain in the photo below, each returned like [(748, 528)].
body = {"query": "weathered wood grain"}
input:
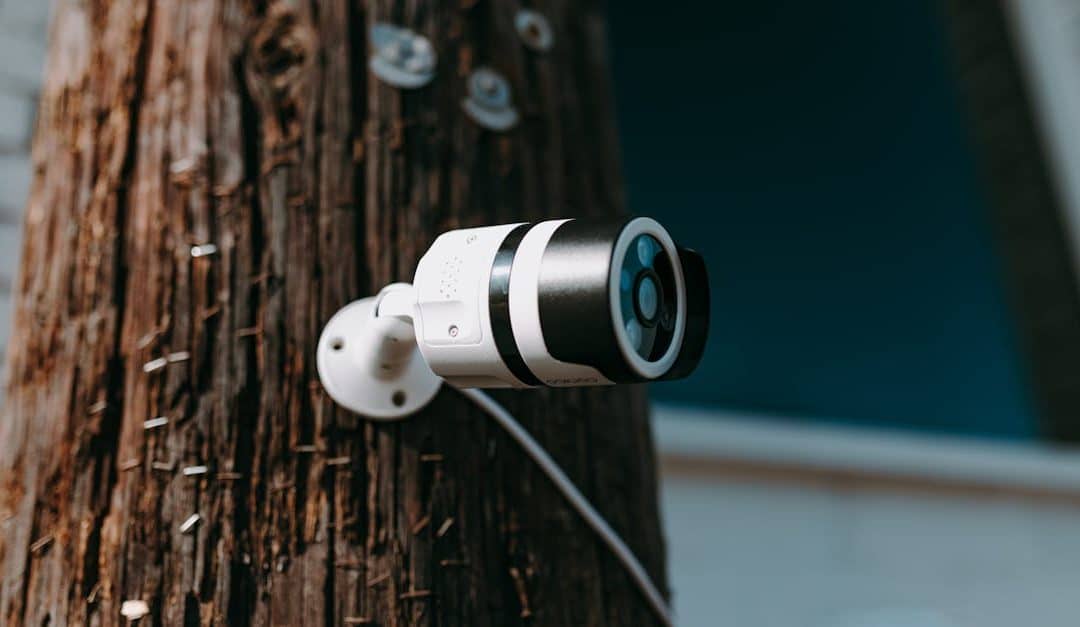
[(255, 126)]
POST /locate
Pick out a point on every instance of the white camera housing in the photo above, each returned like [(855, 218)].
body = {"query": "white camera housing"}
[(558, 303)]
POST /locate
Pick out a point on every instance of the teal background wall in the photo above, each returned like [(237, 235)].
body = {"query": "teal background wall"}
[(818, 155)]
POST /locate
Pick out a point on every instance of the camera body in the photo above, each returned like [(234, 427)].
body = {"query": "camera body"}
[(560, 303)]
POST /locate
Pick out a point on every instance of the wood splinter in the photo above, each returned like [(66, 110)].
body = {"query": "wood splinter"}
[(130, 464), (523, 595), (421, 525), (178, 356), (41, 544)]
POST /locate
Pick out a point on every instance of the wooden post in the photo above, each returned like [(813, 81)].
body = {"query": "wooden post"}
[(253, 131)]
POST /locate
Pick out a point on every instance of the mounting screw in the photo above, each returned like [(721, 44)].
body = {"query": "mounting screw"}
[(489, 103), (534, 30), (401, 57)]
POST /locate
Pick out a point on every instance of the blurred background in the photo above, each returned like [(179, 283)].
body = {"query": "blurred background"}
[(888, 194)]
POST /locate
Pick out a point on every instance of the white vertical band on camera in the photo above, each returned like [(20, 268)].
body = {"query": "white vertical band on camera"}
[(525, 314), (453, 321)]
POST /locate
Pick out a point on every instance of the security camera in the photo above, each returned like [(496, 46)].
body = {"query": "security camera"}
[(557, 303)]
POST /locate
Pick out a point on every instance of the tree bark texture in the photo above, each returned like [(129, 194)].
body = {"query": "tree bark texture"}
[(256, 127)]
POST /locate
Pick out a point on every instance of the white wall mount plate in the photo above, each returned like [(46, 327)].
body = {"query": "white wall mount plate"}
[(372, 366)]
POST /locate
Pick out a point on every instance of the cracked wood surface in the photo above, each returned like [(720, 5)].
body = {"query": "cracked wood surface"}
[(254, 126)]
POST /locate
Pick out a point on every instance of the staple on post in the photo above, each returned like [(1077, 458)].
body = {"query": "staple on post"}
[(189, 524), (191, 471), (134, 609), (203, 250), (155, 364), (172, 358), (154, 423)]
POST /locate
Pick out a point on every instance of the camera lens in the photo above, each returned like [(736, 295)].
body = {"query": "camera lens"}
[(648, 299), (646, 296)]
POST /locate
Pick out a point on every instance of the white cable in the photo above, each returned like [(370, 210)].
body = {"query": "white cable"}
[(577, 500)]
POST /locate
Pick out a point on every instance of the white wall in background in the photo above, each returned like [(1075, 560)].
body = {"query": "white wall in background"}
[(764, 555), (753, 553)]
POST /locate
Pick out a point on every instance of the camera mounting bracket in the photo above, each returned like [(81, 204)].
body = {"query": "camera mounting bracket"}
[(369, 362)]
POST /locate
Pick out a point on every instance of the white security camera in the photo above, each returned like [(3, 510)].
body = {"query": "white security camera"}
[(557, 303)]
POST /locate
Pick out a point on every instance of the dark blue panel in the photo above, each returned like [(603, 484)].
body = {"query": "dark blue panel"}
[(817, 154)]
